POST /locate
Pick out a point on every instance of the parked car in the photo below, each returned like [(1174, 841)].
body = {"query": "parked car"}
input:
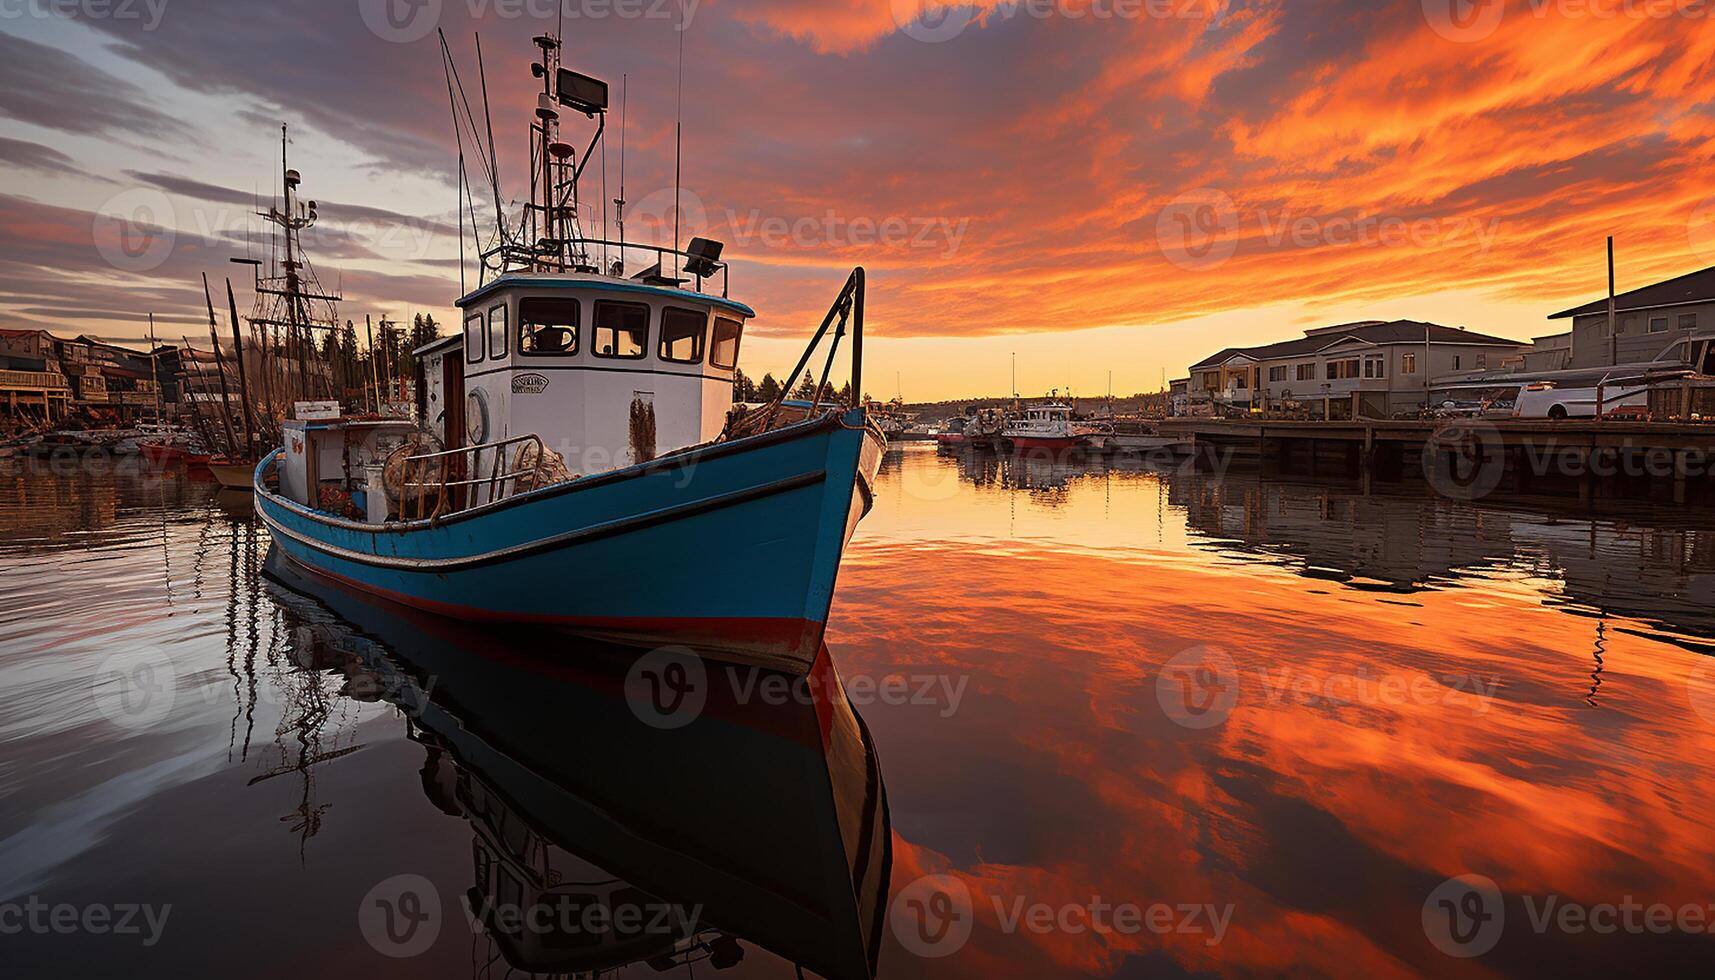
[(1549, 400)]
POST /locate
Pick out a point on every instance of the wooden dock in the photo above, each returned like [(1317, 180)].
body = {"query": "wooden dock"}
[(1592, 457)]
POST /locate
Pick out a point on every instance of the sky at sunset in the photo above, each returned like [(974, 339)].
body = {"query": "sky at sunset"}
[(1100, 186)]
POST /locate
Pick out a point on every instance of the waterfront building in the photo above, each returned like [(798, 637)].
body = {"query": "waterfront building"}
[(1179, 397), (1668, 320), (1368, 369), (32, 387), (44, 378)]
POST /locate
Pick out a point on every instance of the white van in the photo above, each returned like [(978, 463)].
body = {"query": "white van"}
[(1549, 400)]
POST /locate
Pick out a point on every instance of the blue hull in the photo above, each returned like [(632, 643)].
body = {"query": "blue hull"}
[(732, 549)]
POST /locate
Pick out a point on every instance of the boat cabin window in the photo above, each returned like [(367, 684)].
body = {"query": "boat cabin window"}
[(682, 333), (497, 331), (723, 353), (473, 338), (621, 329), (548, 326)]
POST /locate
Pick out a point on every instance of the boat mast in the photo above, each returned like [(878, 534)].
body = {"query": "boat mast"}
[(154, 367), (243, 378), (220, 371), (619, 202)]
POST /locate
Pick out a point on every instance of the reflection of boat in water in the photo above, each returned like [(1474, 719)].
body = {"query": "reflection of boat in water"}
[(754, 820), (1135, 435), (230, 474)]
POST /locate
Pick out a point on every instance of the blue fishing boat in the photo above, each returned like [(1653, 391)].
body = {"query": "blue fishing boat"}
[(577, 458)]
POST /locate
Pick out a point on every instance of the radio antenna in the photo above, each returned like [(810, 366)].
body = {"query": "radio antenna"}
[(463, 186), (488, 118), (678, 138), (619, 202)]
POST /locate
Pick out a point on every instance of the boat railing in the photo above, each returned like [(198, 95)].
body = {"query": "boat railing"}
[(598, 255), (455, 473)]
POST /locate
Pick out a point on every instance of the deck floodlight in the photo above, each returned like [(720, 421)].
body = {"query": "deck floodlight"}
[(581, 92), (703, 257)]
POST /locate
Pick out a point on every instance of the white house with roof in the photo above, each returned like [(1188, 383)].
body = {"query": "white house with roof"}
[(1369, 369), (1650, 323)]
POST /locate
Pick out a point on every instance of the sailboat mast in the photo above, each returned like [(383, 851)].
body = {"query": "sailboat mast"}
[(220, 371), (243, 377), (154, 367)]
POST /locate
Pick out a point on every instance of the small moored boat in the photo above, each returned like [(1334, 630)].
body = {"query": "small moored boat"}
[(1043, 427)]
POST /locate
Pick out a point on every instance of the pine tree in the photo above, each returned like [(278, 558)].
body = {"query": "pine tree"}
[(348, 361), (743, 389), (768, 389)]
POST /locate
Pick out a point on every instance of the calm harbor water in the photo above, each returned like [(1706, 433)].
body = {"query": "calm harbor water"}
[(1110, 720)]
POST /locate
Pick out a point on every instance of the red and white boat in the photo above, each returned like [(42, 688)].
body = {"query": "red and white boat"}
[(1043, 427), (952, 432)]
